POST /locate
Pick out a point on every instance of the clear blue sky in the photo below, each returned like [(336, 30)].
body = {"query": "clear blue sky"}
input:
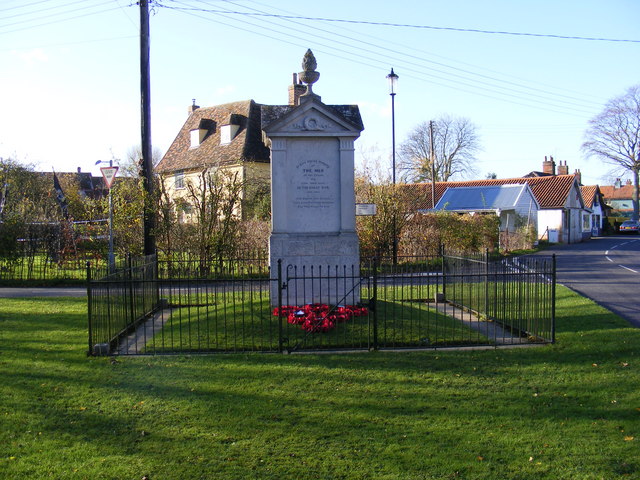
[(69, 91)]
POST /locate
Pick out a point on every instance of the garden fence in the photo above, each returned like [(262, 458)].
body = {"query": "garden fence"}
[(159, 307)]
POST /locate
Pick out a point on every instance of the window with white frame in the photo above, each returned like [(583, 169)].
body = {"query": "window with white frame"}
[(178, 179)]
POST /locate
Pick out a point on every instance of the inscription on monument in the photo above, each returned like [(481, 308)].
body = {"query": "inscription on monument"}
[(313, 187)]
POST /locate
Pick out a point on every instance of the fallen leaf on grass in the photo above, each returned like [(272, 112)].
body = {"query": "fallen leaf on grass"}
[(628, 438)]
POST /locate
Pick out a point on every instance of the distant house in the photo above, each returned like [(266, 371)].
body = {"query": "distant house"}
[(597, 211), (226, 137), (619, 197), (84, 183), (560, 217)]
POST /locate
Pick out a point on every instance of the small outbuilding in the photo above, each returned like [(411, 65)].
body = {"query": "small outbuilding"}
[(514, 204)]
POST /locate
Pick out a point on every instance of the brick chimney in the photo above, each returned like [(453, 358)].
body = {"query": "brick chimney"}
[(617, 183), (296, 89), (193, 107), (549, 166), (578, 175), (563, 169)]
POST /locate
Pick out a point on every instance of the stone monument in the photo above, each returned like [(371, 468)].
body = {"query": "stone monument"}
[(313, 223)]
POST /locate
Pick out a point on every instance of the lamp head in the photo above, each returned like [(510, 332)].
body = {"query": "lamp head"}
[(393, 81)]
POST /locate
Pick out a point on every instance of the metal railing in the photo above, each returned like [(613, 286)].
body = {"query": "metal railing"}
[(516, 293), (151, 307), (119, 300)]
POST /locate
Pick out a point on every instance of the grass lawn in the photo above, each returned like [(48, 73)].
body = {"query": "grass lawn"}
[(564, 411)]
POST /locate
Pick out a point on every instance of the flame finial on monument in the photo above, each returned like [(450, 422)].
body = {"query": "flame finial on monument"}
[(309, 76)]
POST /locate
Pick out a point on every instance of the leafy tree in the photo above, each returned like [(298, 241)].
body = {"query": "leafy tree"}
[(455, 143), (29, 195), (128, 200), (613, 136), (377, 232)]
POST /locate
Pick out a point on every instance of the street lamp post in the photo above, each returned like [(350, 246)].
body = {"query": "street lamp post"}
[(393, 81)]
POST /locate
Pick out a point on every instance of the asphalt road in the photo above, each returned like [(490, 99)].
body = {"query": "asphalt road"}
[(604, 269), (16, 292)]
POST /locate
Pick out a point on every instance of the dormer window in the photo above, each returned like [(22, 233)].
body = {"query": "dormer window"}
[(230, 128), (196, 138), (198, 135), (228, 133)]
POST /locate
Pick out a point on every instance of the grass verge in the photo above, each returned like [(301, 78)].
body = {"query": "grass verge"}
[(564, 411)]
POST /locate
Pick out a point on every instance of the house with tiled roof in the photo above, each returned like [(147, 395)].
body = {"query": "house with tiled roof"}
[(619, 197), (84, 183), (227, 137), (597, 210), (560, 217)]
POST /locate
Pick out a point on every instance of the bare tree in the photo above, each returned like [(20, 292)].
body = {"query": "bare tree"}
[(455, 143), (215, 197), (613, 136), (130, 166)]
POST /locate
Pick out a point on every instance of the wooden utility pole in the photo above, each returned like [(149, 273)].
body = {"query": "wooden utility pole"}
[(432, 160), (145, 117)]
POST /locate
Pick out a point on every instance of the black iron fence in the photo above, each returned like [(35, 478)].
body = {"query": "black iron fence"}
[(516, 293), (41, 267), (151, 307)]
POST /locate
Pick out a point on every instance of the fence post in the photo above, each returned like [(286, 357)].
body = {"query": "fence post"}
[(553, 298), (486, 282), (130, 281), (90, 352), (373, 304), (156, 280), (280, 349), (444, 272)]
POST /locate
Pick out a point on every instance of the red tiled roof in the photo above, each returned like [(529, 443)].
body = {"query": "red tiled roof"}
[(247, 145), (589, 194), (610, 192), (549, 191)]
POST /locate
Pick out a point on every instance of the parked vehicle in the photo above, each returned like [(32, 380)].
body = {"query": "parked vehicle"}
[(630, 226)]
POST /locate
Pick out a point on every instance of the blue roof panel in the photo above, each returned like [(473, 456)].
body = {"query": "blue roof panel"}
[(481, 198)]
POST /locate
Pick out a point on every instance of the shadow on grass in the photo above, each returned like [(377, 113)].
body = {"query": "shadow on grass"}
[(370, 412)]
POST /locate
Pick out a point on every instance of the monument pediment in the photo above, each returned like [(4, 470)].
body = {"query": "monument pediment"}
[(312, 117)]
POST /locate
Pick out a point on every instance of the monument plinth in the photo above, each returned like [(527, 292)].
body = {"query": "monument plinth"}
[(313, 222)]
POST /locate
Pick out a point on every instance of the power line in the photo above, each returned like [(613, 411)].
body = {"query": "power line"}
[(511, 96), (407, 25), (60, 20), (76, 2), (24, 5), (61, 13), (587, 99), (393, 55)]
